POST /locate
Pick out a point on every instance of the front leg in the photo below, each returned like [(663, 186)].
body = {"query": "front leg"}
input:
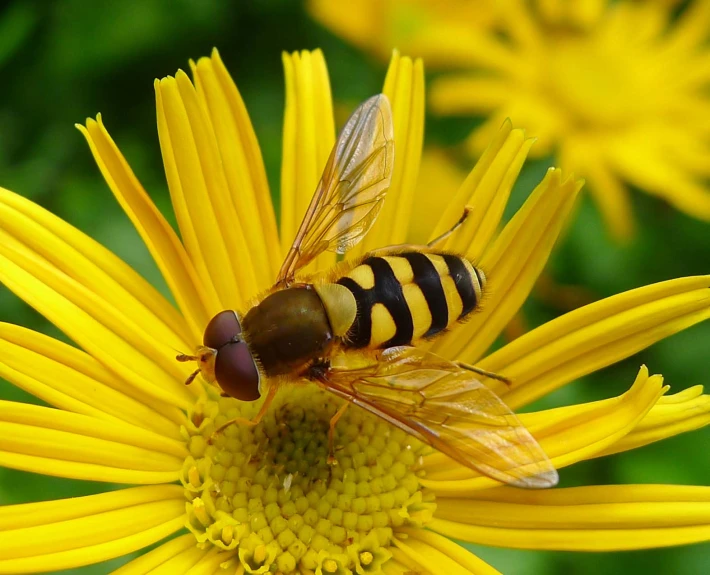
[(247, 422)]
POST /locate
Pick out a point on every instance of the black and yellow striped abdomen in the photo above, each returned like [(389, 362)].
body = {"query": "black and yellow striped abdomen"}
[(410, 295)]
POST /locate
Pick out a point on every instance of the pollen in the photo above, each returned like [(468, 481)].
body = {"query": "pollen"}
[(268, 494)]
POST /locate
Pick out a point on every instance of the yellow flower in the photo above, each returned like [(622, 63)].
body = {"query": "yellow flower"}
[(264, 499), (616, 90)]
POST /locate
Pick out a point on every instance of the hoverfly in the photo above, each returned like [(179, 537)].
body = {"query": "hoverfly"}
[(373, 309)]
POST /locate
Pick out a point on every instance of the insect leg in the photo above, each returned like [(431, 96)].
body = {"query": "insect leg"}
[(242, 420), (191, 377), (446, 234), (483, 372), (331, 433)]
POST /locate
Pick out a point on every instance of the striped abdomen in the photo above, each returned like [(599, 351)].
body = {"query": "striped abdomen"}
[(409, 296)]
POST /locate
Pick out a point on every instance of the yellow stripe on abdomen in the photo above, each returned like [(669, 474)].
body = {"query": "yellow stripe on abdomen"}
[(383, 326), (421, 315), (453, 299)]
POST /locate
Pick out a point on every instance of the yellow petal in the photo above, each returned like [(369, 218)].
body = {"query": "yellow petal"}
[(193, 298), (308, 137), (209, 564), (393, 567), (567, 435), (208, 222), (59, 443), (161, 555), (90, 263), (687, 410), (512, 265), (404, 86), (606, 189), (444, 545), (242, 163), (421, 555), (641, 160), (438, 171), (605, 518), (485, 191), (462, 95), (29, 239), (69, 533), (594, 336), (119, 341), (74, 381)]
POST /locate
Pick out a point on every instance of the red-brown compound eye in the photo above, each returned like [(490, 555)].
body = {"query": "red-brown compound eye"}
[(221, 329), (236, 371)]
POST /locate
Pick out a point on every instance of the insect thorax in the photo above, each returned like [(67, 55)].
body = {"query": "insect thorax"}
[(288, 329)]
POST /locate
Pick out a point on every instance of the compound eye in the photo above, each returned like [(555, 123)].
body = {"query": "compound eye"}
[(221, 329), (236, 372)]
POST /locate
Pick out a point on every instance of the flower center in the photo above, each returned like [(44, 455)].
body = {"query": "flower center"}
[(269, 493)]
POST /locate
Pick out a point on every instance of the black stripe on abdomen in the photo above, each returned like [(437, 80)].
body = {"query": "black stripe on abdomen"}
[(463, 282), (427, 279), (387, 291)]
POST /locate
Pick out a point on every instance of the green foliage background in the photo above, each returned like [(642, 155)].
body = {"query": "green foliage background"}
[(64, 60)]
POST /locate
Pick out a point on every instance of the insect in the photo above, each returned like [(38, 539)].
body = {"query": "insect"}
[(351, 330)]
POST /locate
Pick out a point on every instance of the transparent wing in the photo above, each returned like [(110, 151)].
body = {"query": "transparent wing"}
[(448, 408), (351, 191)]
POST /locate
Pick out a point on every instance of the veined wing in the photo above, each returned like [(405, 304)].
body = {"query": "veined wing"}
[(350, 193), (448, 408)]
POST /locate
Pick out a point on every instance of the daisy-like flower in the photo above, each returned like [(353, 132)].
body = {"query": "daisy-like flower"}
[(264, 499), (618, 91)]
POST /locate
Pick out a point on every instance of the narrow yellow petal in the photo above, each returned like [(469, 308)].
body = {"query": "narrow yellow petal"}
[(486, 191), (423, 555), (242, 164), (438, 171), (59, 438), (685, 411), (90, 263), (512, 265), (182, 562), (571, 539), (666, 180), (459, 95), (192, 297), (604, 518), (48, 418), (308, 137), (691, 28), (153, 559), (567, 434), (210, 563), (594, 336), (446, 546), (394, 567), (24, 515), (404, 86), (74, 381), (118, 341), (605, 188), (92, 537), (208, 221), (55, 262), (84, 471)]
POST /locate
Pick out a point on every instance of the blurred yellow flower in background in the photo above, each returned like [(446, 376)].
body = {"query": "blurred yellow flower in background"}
[(617, 91), (264, 499)]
